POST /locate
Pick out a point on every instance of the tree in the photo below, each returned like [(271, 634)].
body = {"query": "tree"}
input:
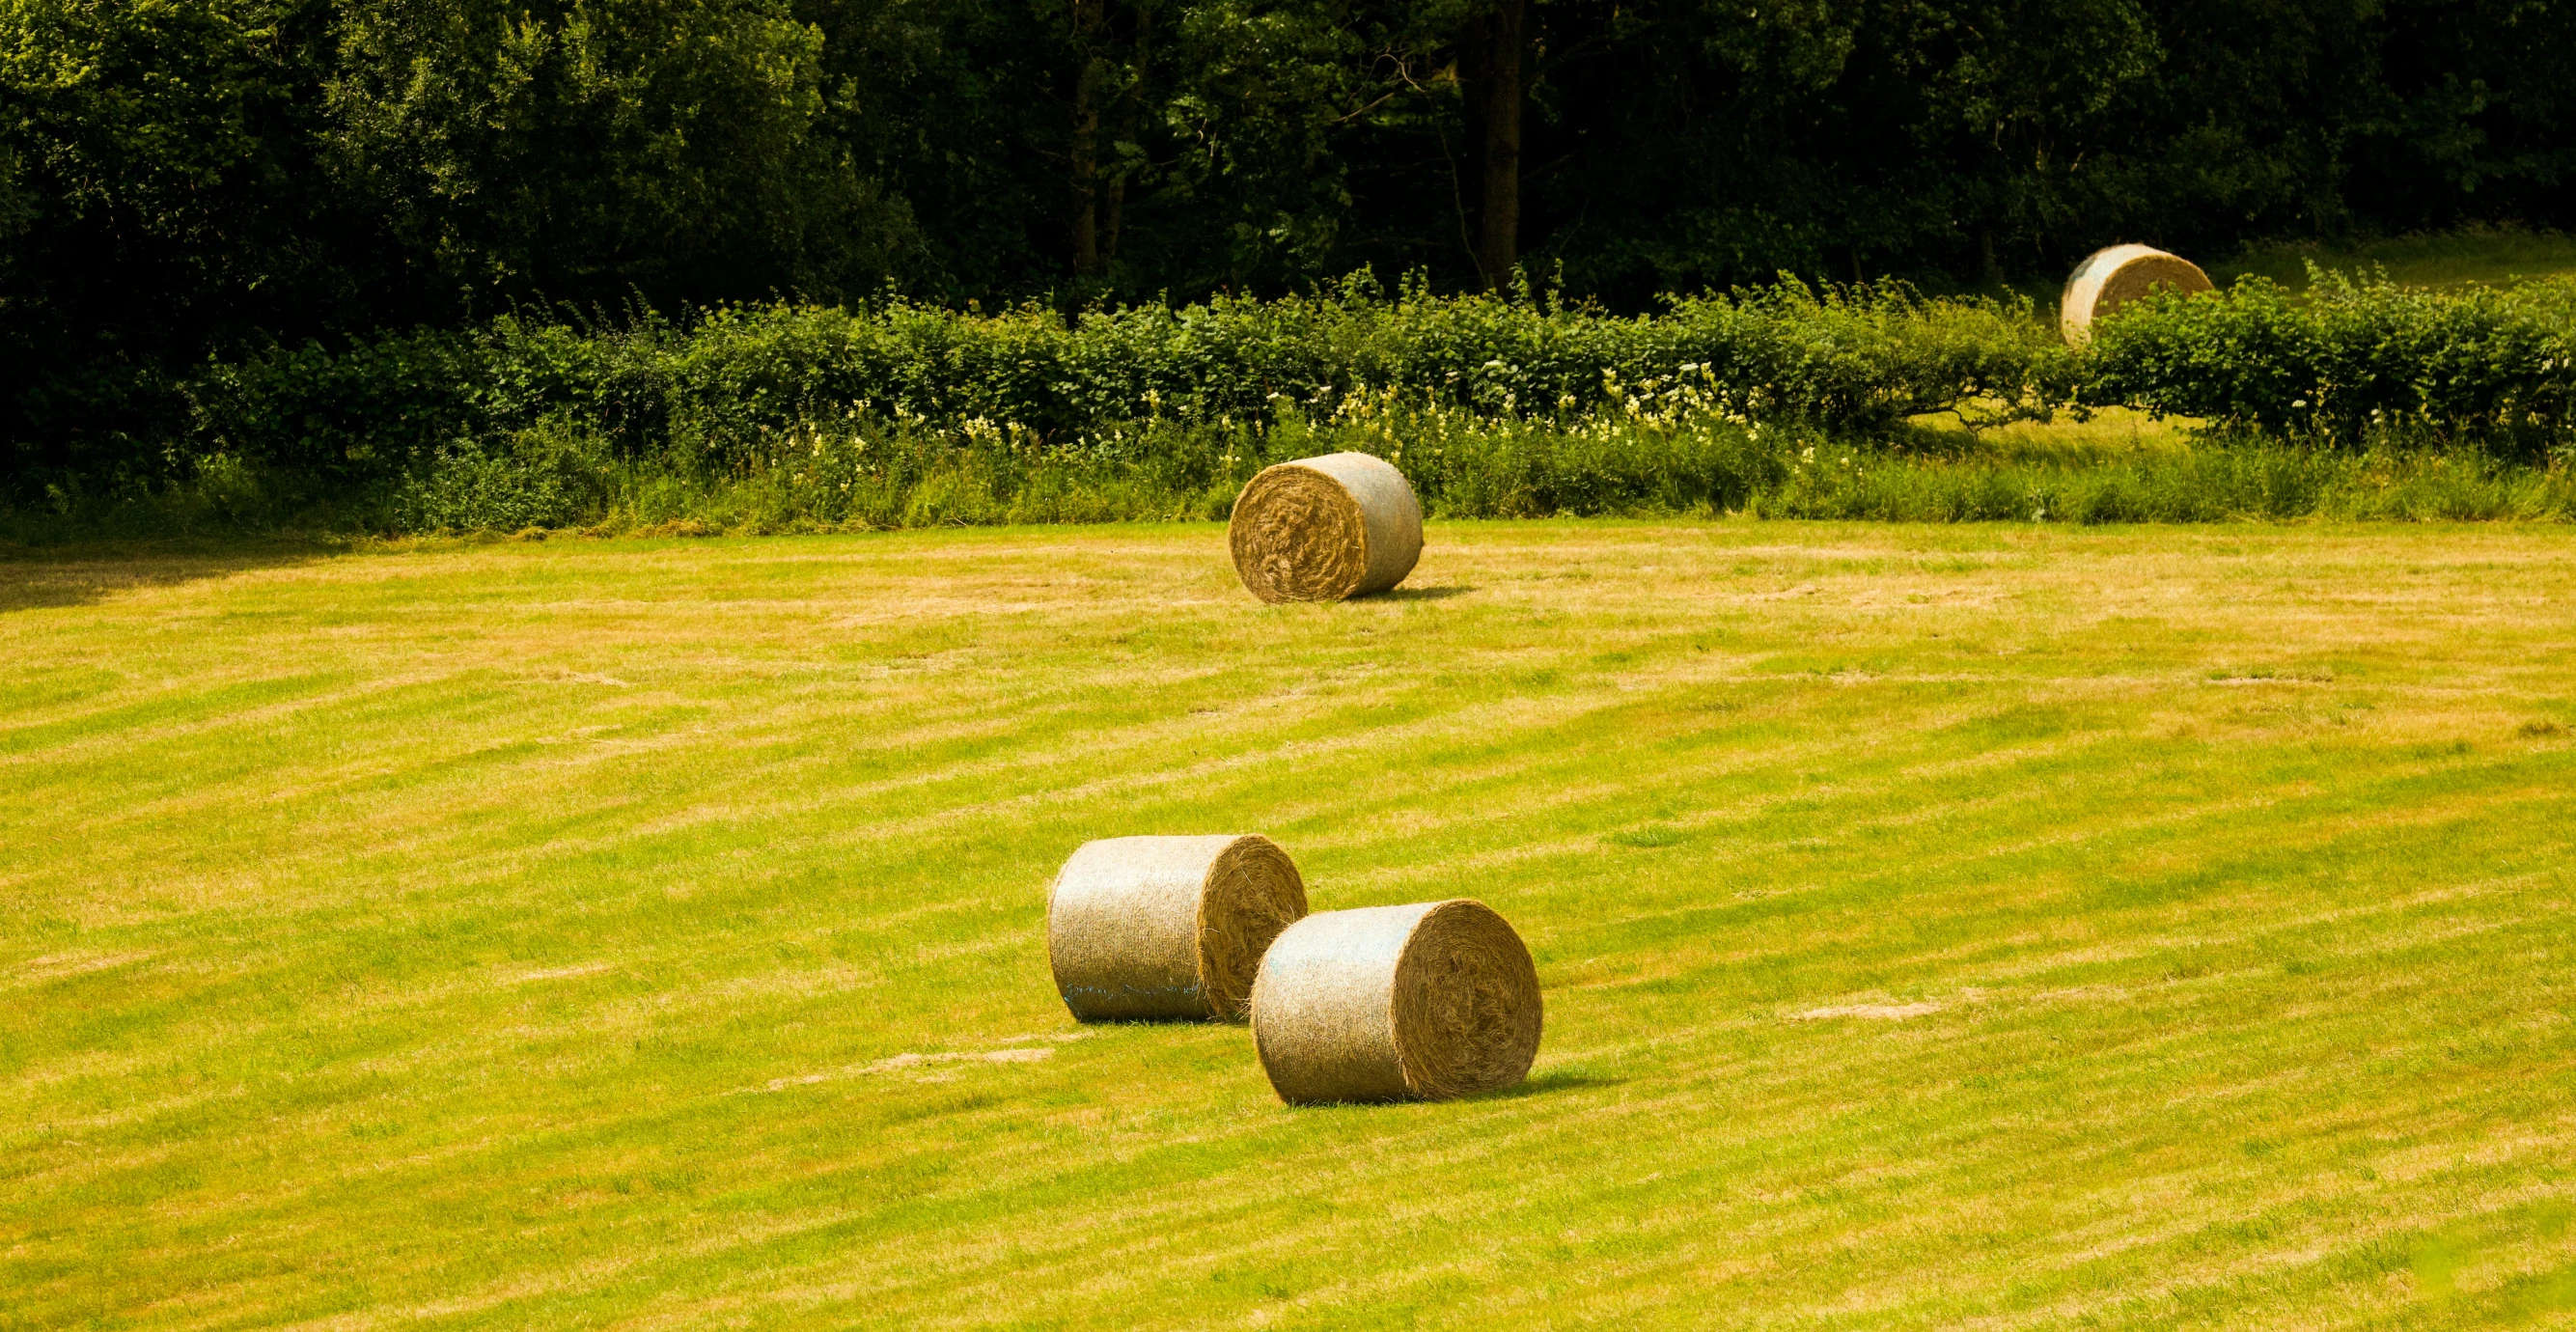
[(583, 149), (1491, 50), (185, 179)]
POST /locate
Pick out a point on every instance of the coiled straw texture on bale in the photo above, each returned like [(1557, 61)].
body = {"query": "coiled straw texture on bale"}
[(1167, 927), (1419, 1002), (2113, 277), (1322, 529)]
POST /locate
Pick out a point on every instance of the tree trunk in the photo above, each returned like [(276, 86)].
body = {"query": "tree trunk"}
[(1490, 56), (1117, 195), (1089, 17), (1124, 120)]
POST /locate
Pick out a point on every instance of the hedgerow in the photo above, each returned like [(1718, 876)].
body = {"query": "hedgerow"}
[(1519, 404), (2352, 360), (720, 390)]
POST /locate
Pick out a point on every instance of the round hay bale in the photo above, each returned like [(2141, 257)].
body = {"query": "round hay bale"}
[(1323, 529), (1167, 927), (2111, 278), (1421, 1002)]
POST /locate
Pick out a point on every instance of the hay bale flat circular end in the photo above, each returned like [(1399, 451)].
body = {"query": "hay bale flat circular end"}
[(1420, 1002), (2113, 277), (1323, 529), (1167, 927)]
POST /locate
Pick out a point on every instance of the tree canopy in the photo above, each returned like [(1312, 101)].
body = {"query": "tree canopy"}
[(179, 177)]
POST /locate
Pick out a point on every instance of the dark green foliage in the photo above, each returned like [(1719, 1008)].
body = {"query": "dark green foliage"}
[(874, 474), (579, 149), (192, 180), (2488, 365), (2356, 359), (717, 394), (349, 418), (157, 164), (182, 179), (1495, 404), (550, 476)]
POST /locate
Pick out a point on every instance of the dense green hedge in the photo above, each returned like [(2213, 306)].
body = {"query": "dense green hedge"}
[(2491, 365), (718, 392), (2349, 358), (532, 421)]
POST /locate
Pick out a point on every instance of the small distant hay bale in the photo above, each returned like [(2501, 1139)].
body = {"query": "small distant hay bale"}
[(1324, 529), (2111, 278), (1167, 927), (1421, 1002)]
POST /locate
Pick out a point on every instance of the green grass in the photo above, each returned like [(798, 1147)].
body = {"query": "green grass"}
[(2492, 255), (2448, 259), (2109, 435), (2017, 926)]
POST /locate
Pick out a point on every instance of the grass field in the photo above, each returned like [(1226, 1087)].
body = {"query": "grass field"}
[(2443, 260), (2494, 256), (1974, 926)]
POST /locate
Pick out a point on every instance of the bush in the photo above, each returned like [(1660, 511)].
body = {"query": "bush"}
[(551, 475), (2356, 361), (719, 395), (1784, 400)]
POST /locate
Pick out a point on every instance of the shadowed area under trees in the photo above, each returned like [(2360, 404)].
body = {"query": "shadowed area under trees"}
[(183, 180)]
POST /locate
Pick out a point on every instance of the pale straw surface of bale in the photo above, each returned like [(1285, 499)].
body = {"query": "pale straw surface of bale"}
[(1322, 529), (2113, 277), (1167, 927), (1419, 1002)]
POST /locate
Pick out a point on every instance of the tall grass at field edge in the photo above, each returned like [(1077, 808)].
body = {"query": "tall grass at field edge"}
[(2359, 397), (1686, 460)]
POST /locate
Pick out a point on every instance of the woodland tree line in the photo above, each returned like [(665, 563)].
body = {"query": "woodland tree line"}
[(182, 179)]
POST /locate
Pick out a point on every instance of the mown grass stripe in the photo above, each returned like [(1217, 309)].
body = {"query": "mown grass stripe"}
[(2176, 961)]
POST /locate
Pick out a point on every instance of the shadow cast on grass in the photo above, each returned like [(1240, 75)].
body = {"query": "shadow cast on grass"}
[(1116, 1023), (1424, 593), (1552, 1081), (52, 577)]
